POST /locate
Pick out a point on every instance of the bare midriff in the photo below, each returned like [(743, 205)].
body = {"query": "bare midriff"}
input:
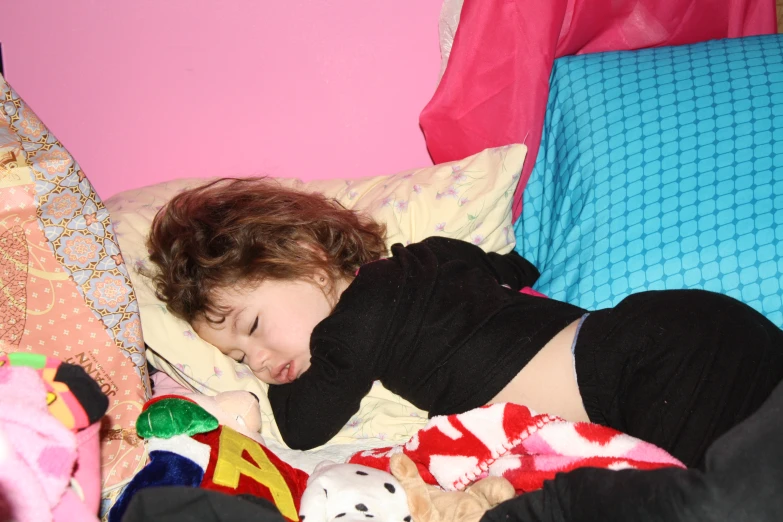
[(547, 384)]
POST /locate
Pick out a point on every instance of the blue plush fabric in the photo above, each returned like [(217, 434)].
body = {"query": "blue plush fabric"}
[(164, 469), (661, 168)]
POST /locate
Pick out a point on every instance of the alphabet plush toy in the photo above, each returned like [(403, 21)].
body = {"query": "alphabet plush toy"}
[(429, 503), (352, 493), (189, 446)]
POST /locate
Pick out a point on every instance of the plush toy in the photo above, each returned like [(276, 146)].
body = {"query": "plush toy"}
[(189, 446), (238, 410), (49, 439), (429, 503), (352, 493)]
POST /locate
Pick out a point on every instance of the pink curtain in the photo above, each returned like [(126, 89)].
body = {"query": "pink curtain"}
[(495, 88)]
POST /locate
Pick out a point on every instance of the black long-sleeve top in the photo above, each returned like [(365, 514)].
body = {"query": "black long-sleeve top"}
[(440, 323)]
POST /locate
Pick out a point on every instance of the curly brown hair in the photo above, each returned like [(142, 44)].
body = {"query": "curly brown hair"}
[(235, 231)]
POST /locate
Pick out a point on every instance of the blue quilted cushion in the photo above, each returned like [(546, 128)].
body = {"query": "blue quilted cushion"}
[(661, 168)]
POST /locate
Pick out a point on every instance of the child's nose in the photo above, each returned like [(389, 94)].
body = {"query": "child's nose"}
[(257, 360)]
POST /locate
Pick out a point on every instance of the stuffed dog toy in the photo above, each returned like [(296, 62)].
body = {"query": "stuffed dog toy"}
[(352, 493)]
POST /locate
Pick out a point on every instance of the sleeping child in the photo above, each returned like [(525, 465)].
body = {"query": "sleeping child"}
[(300, 290)]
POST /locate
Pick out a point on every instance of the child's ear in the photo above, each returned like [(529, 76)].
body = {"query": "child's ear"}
[(321, 278)]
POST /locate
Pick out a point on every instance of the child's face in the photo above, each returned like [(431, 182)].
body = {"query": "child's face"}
[(269, 327)]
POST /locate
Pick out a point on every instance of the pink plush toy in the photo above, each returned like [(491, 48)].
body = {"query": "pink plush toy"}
[(39, 456), (238, 409)]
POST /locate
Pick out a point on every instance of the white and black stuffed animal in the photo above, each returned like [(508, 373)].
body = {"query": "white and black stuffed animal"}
[(353, 493)]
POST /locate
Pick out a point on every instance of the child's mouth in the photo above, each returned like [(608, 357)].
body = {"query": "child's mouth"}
[(286, 373)]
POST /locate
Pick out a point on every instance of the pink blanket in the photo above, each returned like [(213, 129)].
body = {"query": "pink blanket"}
[(509, 440), (495, 87)]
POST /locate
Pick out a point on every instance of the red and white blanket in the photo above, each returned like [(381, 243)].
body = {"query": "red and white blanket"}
[(511, 441)]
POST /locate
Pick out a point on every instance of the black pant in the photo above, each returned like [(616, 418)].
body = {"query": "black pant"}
[(677, 368), (186, 504), (742, 482)]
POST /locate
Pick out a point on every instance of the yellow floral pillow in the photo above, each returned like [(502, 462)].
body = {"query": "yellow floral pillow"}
[(468, 199)]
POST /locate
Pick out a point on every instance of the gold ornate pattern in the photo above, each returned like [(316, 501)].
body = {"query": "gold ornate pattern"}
[(13, 283)]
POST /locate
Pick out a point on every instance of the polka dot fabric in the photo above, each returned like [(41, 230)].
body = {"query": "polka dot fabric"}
[(661, 168)]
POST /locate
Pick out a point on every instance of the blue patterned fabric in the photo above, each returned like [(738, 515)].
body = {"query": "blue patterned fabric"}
[(661, 168)]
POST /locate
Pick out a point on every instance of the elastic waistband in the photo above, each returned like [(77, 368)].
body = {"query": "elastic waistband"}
[(576, 334), (589, 386)]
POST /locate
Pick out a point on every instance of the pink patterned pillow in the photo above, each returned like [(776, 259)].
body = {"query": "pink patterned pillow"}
[(67, 292)]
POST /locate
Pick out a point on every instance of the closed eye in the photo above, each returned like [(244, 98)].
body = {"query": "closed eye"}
[(253, 328)]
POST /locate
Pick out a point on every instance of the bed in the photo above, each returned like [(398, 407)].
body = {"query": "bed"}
[(656, 169), (627, 170)]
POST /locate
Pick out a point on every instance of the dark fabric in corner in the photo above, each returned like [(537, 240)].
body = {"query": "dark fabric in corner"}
[(183, 504)]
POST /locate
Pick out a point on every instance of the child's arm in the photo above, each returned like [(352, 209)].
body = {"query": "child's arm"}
[(508, 269), (312, 409)]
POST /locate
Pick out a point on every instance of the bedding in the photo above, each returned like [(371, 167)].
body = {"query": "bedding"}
[(468, 199), (511, 441), (66, 291), (661, 168), (495, 86)]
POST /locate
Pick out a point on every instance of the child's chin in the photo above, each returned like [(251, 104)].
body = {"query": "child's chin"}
[(265, 379)]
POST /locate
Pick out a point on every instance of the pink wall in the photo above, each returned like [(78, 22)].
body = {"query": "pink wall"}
[(149, 90)]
